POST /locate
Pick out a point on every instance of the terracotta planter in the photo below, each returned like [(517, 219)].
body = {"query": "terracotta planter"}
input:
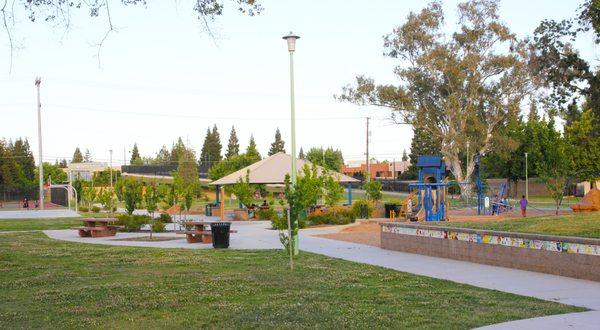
[(240, 214)]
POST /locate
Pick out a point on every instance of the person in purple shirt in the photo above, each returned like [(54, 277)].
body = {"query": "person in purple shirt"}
[(524, 203)]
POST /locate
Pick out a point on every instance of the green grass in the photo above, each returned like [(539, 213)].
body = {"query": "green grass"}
[(585, 224), (46, 223), (38, 224), (46, 283)]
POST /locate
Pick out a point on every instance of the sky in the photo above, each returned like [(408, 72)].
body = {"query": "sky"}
[(160, 75)]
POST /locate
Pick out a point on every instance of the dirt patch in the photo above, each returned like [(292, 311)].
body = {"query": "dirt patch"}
[(364, 233), (148, 239)]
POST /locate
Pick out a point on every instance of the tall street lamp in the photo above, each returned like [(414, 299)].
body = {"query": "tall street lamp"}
[(111, 183), (526, 180), (291, 43), (38, 81)]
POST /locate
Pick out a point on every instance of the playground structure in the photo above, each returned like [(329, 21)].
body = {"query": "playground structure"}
[(430, 191), (427, 200)]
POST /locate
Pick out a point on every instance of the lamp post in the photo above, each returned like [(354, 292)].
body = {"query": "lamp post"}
[(526, 180), (111, 183), (38, 81), (291, 43)]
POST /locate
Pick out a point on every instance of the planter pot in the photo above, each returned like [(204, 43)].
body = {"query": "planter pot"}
[(240, 214)]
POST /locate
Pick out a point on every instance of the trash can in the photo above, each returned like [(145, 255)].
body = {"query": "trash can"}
[(364, 211), (208, 210), (389, 207), (220, 234)]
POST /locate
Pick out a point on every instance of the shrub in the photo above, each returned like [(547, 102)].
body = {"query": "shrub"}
[(266, 214), (360, 206), (165, 218), (132, 222), (95, 209), (279, 221), (333, 216), (158, 226), (83, 209), (373, 190)]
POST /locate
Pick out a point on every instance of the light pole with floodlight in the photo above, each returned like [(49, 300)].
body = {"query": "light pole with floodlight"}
[(38, 82), (291, 43)]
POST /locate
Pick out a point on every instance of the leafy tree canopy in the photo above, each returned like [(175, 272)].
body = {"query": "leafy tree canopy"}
[(278, 145), (331, 159), (456, 88)]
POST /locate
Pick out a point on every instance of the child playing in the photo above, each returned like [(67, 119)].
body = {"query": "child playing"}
[(524, 203)]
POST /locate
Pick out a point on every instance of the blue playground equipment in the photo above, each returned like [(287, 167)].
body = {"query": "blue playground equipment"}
[(496, 207), (431, 188)]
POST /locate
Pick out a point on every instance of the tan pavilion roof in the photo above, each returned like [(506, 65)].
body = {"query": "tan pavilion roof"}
[(272, 170)]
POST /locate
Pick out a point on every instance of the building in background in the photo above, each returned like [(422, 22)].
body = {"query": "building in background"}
[(377, 170), (85, 171)]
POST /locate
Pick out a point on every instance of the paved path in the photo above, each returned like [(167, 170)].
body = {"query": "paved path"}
[(255, 235), (29, 214)]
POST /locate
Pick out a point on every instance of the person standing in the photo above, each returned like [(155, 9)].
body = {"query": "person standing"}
[(524, 203)]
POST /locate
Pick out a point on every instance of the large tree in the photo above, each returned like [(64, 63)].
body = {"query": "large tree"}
[(77, 156), (458, 87), (568, 77), (252, 151), (136, 159), (211, 149), (177, 150), (331, 159), (233, 146), (278, 145)]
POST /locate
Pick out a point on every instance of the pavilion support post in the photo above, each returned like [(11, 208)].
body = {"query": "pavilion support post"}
[(349, 186), (217, 194)]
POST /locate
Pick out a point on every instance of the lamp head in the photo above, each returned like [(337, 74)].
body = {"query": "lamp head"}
[(291, 41)]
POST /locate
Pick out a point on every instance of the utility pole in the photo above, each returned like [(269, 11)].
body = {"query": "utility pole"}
[(368, 178), (38, 81)]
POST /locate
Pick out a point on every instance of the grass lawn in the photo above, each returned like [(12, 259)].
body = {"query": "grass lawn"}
[(46, 283), (38, 224), (585, 224), (47, 223)]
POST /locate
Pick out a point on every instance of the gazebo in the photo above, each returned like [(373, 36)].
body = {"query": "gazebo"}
[(273, 169)]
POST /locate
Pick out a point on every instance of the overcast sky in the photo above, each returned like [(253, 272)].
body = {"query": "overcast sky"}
[(161, 76)]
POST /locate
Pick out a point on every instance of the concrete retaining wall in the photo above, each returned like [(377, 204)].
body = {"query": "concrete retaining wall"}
[(565, 256)]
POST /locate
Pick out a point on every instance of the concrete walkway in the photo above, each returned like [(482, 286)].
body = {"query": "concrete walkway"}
[(256, 235), (38, 214)]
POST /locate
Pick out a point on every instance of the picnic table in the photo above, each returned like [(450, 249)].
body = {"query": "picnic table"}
[(201, 232), (97, 227)]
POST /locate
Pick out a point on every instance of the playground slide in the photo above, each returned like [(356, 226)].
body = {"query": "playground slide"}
[(590, 202)]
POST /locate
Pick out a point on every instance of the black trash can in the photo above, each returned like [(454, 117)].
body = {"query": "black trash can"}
[(388, 209), (208, 210), (220, 234)]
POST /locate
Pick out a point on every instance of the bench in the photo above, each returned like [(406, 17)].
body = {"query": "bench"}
[(97, 231), (197, 236)]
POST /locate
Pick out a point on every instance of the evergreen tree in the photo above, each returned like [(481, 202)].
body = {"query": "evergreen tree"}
[(187, 169), (233, 147), (136, 159), (404, 155), (77, 156), (301, 154), (278, 145), (584, 147), (176, 151), (205, 155), (251, 152), (211, 149), (215, 146), (87, 157), (533, 112), (163, 157)]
